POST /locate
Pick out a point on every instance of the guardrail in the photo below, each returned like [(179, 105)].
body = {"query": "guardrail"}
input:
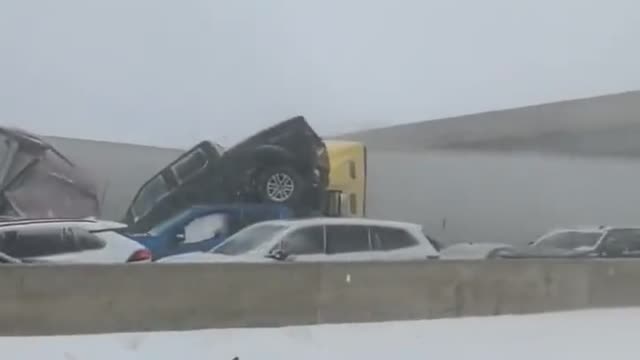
[(45, 300)]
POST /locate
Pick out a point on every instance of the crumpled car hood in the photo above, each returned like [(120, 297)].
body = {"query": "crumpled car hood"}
[(42, 183)]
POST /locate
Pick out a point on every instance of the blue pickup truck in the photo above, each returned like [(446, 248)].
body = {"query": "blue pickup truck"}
[(201, 227)]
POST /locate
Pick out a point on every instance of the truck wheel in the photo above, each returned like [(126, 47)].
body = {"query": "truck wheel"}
[(280, 185)]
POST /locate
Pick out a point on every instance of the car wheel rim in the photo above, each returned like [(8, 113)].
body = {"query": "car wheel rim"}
[(280, 187)]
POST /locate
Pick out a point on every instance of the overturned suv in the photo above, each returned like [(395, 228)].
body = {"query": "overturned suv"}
[(284, 164)]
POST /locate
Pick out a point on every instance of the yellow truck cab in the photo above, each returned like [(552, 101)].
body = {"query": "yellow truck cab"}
[(347, 178)]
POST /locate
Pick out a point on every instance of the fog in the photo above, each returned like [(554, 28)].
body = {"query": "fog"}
[(170, 73)]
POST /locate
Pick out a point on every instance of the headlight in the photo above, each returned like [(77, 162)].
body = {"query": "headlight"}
[(320, 151)]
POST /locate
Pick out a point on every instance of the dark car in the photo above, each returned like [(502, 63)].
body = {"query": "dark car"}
[(37, 181), (609, 242), (285, 164)]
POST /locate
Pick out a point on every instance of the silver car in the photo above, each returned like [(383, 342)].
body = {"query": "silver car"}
[(320, 239)]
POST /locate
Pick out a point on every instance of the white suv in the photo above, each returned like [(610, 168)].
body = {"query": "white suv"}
[(69, 241), (320, 239)]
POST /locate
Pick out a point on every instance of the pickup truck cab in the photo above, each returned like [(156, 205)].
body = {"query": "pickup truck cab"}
[(285, 164)]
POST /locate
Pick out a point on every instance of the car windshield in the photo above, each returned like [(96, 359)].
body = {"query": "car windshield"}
[(433, 241), (149, 195), (170, 222), (5, 147), (570, 240), (248, 239), (625, 236)]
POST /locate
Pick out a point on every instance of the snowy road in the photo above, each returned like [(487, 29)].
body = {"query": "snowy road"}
[(584, 335)]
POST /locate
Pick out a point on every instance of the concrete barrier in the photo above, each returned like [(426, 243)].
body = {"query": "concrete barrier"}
[(44, 300)]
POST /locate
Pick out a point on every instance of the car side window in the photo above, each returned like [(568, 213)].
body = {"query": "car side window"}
[(149, 195), (46, 242), (85, 240), (633, 244), (622, 241), (189, 165), (347, 239), (206, 227), (384, 238), (306, 241)]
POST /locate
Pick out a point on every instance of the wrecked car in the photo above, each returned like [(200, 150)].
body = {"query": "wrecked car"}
[(37, 181), (284, 164)]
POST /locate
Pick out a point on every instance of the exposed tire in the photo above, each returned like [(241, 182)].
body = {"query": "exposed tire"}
[(282, 185)]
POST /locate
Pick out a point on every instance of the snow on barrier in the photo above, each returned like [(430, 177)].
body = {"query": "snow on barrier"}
[(45, 300)]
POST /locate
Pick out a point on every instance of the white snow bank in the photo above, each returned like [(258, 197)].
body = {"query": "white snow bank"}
[(580, 335)]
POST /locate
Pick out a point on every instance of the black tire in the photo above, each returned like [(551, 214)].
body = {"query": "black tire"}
[(290, 189)]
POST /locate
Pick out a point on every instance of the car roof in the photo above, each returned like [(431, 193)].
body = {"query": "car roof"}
[(577, 229), (594, 229), (339, 221), (87, 223), (235, 206)]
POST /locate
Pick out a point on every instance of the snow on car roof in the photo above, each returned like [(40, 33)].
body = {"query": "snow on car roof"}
[(88, 223), (576, 229), (592, 229), (340, 221)]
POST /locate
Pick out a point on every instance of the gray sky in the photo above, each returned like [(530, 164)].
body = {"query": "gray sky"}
[(166, 72)]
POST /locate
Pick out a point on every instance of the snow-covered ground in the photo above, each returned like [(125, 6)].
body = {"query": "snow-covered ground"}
[(580, 335)]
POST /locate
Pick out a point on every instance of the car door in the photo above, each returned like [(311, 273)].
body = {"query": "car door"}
[(201, 233), (303, 244), (349, 243), (396, 243), (186, 181)]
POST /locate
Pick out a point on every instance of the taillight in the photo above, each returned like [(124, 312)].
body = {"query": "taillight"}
[(140, 255)]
